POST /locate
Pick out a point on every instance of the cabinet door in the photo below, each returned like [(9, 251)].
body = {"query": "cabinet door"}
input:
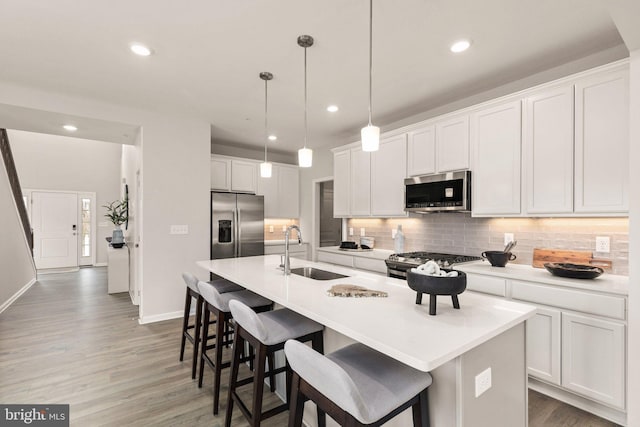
[(341, 183), (360, 182), (593, 358), (548, 151), (495, 142), (288, 192), (543, 345), (421, 151), (244, 176), (602, 143), (388, 171), (452, 146), (268, 187), (220, 174)]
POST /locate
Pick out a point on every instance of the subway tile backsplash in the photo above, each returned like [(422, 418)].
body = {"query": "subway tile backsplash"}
[(460, 233), (276, 225)]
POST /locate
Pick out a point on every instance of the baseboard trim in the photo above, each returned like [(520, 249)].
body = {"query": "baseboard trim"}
[(17, 295), (160, 317)]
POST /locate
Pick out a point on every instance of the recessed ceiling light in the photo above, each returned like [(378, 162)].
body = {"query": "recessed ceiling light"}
[(140, 49), (272, 137), (332, 108), (70, 128), (460, 46)]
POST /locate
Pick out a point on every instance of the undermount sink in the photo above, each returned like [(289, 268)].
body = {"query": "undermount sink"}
[(316, 273)]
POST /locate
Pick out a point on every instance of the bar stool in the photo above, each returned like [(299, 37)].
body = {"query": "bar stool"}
[(356, 386), (222, 286), (267, 333), (218, 304)]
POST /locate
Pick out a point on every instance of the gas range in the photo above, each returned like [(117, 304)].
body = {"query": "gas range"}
[(398, 264)]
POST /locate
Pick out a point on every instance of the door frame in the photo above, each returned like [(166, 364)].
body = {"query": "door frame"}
[(27, 192), (315, 214)]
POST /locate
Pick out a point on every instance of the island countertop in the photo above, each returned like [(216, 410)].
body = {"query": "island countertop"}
[(395, 325)]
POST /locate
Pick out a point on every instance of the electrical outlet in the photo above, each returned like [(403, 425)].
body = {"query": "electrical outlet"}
[(350, 231), (393, 233), (603, 245), (179, 229), (271, 229), (508, 237), (362, 232), (483, 381)]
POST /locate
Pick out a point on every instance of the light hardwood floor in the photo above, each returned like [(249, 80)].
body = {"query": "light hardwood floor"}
[(67, 341)]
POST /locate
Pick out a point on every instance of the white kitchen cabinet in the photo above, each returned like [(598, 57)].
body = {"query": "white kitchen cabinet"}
[(602, 143), (548, 151), (421, 149), (281, 192), (452, 144), (360, 182), (388, 171), (342, 183), (244, 176), (220, 174), (593, 358), (544, 345), (495, 144), (339, 259)]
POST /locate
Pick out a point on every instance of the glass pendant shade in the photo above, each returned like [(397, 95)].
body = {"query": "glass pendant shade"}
[(370, 138), (305, 157), (265, 170)]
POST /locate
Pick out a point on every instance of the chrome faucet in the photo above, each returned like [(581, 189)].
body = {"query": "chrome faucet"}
[(287, 261)]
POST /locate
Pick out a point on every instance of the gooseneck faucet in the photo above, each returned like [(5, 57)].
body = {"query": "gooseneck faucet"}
[(287, 261)]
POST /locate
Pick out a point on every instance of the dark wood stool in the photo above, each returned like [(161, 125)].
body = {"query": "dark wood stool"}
[(267, 333)]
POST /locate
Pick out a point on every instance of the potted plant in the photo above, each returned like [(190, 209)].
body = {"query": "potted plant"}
[(118, 214)]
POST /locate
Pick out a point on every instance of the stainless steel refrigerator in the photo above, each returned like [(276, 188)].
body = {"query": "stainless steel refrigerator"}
[(237, 225)]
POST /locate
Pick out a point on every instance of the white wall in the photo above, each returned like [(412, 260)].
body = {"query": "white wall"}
[(175, 156), (51, 162)]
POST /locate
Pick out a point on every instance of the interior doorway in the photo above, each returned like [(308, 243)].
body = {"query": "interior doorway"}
[(330, 227)]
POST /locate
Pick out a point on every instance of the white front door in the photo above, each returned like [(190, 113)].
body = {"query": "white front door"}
[(55, 229)]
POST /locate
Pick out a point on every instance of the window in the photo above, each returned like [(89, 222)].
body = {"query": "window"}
[(85, 230)]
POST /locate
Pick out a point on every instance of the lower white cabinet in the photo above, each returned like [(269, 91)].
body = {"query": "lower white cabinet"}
[(543, 345), (593, 358), (346, 260)]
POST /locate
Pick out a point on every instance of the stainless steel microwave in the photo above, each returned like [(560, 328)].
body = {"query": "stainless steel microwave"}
[(447, 192)]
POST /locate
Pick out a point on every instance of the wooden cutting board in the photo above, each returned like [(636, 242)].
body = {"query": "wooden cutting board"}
[(541, 256)]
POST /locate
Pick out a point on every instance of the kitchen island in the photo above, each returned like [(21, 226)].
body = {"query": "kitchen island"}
[(455, 345)]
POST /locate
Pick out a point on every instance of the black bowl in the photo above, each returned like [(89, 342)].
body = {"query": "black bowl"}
[(498, 258), (437, 285), (573, 271)]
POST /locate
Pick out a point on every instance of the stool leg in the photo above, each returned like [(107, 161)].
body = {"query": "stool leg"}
[(432, 304), (317, 343), (196, 335), (421, 410), (456, 303), (238, 345), (258, 385), (220, 325), (272, 377), (205, 333), (296, 408), (185, 323)]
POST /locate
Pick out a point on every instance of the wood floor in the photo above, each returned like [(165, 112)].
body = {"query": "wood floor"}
[(67, 341)]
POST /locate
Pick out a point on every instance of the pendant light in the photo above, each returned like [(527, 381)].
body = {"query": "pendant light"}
[(370, 134), (305, 155), (265, 167)]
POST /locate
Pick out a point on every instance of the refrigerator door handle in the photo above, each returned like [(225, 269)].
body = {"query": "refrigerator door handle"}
[(239, 240), (235, 233)]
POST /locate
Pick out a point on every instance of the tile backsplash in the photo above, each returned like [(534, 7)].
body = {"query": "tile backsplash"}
[(460, 233), (277, 226)]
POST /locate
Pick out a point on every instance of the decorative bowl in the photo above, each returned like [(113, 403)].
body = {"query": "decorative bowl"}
[(498, 258), (573, 271), (437, 285)]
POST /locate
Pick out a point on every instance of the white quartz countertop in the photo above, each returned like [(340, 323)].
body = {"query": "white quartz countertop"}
[(608, 283), (292, 242), (395, 326), (374, 253)]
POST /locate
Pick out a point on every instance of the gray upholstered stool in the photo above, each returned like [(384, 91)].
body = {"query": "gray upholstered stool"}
[(356, 386), (221, 286), (218, 304), (267, 333)]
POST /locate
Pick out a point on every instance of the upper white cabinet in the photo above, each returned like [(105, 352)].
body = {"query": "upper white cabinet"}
[(421, 149), (341, 183), (281, 192), (360, 182), (452, 146), (220, 174), (548, 151), (495, 144), (388, 171), (229, 174), (602, 143)]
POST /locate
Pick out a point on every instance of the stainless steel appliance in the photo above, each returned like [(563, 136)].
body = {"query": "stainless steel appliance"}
[(237, 225), (399, 264), (447, 192)]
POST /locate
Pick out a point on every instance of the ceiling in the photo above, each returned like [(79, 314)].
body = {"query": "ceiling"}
[(208, 54)]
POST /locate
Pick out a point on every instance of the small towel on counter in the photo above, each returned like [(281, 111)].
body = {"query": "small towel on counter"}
[(431, 268), (343, 290)]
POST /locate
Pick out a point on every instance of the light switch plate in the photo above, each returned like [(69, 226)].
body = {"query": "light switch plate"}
[(508, 237), (483, 382), (362, 232), (603, 245), (271, 229), (350, 231), (179, 229), (393, 233)]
